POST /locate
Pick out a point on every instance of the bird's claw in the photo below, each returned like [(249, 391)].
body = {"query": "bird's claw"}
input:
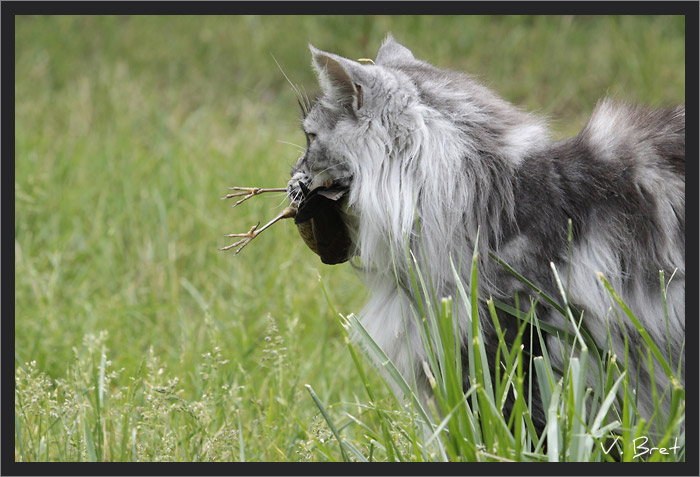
[(245, 240), (254, 231), (248, 192)]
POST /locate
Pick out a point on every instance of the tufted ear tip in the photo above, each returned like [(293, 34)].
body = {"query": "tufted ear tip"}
[(315, 52), (321, 60), (392, 51), (339, 77)]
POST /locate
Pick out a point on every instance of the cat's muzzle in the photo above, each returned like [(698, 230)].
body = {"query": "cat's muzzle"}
[(320, 218)]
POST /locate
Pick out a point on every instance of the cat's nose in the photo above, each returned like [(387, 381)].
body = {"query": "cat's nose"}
[(297, 178), (293, 187)]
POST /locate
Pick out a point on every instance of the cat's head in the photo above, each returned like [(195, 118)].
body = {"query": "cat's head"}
[(404, 139), (365, 135), (360, 107)]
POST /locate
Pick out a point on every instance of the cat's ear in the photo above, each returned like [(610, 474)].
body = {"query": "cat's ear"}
[(339, 77), (392, 52)]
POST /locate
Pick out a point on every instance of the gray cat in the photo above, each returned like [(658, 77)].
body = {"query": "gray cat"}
[(428, 157)]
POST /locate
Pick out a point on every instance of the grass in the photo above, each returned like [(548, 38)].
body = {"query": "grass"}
[(135, 339), (585, 422)]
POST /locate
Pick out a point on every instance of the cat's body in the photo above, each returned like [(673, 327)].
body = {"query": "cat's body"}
[(430, 157)]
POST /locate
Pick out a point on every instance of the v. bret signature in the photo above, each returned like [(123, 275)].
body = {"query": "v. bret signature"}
[(640, 448)]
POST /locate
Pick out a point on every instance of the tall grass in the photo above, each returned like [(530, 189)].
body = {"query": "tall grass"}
[(135, 339), (466, 419)]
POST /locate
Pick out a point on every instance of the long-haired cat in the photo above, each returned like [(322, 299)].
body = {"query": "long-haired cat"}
[(429, 157)]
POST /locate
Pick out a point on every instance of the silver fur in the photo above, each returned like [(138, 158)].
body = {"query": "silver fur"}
[(419, 144)]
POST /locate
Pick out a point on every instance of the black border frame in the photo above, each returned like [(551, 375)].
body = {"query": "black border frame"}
[(9, 9)]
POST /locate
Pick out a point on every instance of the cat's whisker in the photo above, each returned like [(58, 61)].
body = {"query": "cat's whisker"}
[(297, 92), (309, 104), (329, 168), (300, 148)]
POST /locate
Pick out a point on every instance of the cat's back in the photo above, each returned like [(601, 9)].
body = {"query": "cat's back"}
[(633, 134), (622, 182)]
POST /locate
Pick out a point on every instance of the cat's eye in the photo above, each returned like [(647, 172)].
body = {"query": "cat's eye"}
[(310, 138)]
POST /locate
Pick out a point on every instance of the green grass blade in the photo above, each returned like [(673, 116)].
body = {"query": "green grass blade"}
[(443, 424), (544, 380), (377, 354), (567, 311), (355, 452), (101, 379), (241, 442), (89, 445), (330, 422), (553, 433), (534, 287), (640, 328), (596, 430), (19, 441)]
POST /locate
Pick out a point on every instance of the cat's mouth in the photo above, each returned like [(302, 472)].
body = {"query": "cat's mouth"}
[(314, 200), (321, 220)]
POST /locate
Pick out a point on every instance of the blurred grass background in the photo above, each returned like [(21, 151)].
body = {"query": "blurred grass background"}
[(129, 130)]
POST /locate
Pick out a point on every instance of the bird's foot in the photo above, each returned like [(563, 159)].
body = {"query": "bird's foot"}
[(249, 192)]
